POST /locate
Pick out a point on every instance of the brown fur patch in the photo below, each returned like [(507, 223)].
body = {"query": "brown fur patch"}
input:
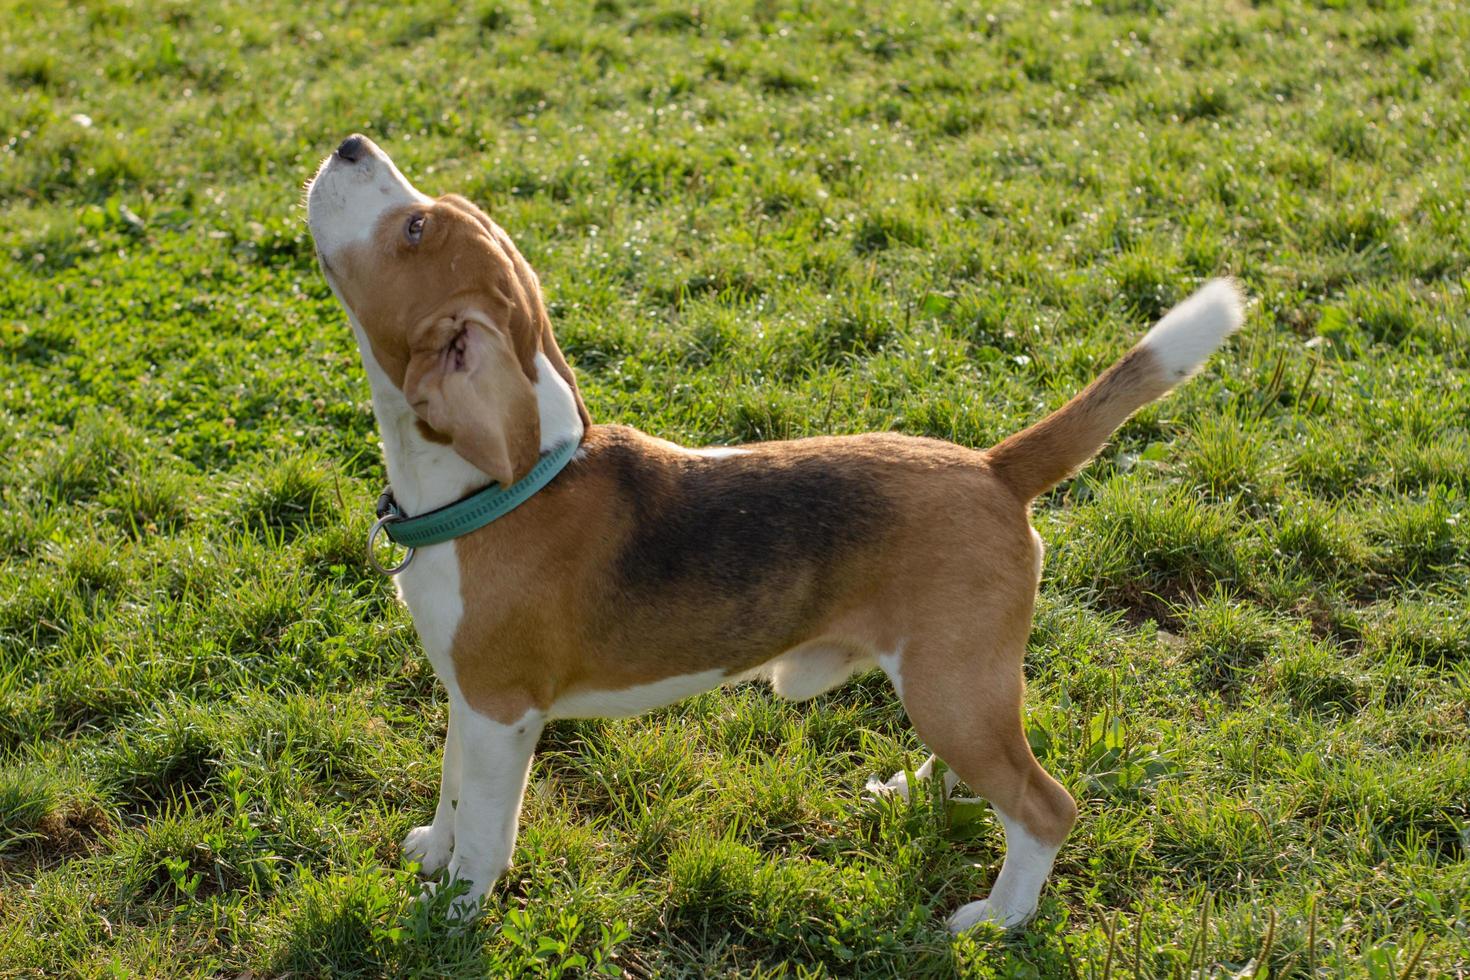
[(641, 562)]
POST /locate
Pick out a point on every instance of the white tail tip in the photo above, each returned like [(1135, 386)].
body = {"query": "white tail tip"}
[(1191, 331)]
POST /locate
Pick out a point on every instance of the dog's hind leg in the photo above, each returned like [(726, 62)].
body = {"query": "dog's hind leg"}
[(972, 720)]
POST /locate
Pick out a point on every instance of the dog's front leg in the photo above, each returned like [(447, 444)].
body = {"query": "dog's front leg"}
[(494, 762), (431, 844)]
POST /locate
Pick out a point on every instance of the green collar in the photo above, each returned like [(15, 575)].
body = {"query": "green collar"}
[(464, 515)]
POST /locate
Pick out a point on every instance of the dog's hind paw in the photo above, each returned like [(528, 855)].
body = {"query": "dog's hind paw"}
[(429, 847), (898, 783), (895, 785)]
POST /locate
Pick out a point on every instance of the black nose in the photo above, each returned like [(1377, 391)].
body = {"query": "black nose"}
[(353, 148)]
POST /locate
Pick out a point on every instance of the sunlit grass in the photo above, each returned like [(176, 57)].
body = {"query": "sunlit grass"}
[(1251, 661)]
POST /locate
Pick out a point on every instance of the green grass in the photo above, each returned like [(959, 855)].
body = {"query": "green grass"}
[(1251, 660)]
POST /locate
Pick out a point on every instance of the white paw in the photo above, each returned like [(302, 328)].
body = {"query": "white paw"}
[(969, 916), (430, 847), (467, 904), (895, 785)]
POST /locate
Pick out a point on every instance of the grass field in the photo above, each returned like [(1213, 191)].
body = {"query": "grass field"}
[(1251, 659)]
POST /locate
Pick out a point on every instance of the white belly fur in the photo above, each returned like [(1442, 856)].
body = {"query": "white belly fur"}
[(634, 700)]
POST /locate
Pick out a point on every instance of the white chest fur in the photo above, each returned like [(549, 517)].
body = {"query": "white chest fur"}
[(430, 589)]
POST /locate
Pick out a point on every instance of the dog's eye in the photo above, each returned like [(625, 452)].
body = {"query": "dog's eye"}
[(414, 230)]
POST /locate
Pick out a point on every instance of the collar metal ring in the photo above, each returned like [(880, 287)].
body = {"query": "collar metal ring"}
[(377, 529)]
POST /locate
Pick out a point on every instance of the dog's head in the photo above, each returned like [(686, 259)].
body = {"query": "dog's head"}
[(444, 302)]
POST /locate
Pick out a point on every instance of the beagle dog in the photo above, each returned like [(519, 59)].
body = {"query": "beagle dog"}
[(645, 572)]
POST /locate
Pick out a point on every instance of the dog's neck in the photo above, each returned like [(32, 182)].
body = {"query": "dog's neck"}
[(427, 474)]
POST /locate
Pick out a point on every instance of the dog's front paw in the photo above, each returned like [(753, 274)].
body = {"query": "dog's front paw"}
[(969, 916), (430, 847), (474, 883), (459, 911)]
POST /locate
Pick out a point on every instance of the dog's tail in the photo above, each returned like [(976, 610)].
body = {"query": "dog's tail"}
[(1036, 459)]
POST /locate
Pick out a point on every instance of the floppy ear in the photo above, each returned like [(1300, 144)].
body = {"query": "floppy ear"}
[(465, 381), (525, 311), (541, 328)]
